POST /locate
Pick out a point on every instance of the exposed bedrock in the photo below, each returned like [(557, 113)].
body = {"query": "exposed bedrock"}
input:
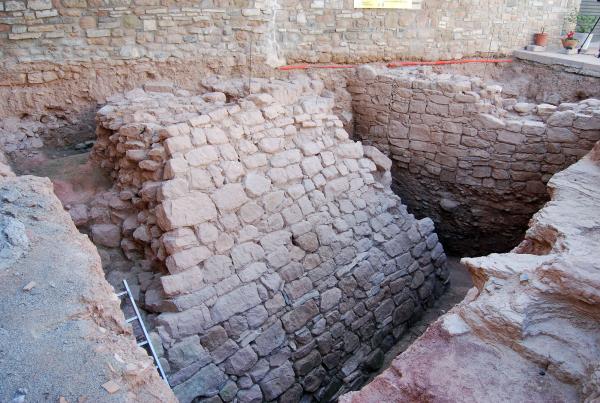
[(284, 264), (530, 329), (464, 153), (62, 332)]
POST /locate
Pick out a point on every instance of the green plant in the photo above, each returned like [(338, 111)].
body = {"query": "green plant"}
[(571, 20), (585, 23)]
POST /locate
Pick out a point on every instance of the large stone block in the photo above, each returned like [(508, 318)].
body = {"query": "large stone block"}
[(237, 301), (230, 197), (298, 317), (205, 383), (185, 211), (270, 339), (277, 381)]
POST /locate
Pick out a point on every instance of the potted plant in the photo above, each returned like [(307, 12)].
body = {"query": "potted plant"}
[(569, 41), (541, 38), (583, 29)]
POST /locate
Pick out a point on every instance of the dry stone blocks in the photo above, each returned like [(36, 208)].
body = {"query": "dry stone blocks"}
[(285, 250)]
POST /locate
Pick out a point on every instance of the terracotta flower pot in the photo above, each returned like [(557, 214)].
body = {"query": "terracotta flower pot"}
[(569, 43), (540, 39)]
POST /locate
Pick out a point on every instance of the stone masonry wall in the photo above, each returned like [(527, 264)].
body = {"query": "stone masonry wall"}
[(289, 266), (218, 32), (472, 159)]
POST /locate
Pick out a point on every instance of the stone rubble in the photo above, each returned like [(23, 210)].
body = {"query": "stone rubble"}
[(470, 157), (283, 263), (529, 329)]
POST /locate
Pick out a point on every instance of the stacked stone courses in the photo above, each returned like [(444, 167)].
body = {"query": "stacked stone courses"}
[(289, 265), (467, 154), (218, 32)]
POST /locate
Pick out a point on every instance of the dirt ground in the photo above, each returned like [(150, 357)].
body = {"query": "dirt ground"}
[(62, 334)]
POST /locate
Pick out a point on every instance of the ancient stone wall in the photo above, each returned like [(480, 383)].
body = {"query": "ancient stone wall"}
[(289, 266), (465, 154), (533, 81), (219, 32), (533, 317)]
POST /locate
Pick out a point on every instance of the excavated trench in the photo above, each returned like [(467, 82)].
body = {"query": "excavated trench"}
[(472, 156)]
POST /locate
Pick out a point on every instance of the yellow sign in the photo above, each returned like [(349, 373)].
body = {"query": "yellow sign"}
[(405, 4)]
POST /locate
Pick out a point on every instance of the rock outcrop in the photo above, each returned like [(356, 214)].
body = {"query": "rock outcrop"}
[(284, 264), (62, 332), (530, 329)]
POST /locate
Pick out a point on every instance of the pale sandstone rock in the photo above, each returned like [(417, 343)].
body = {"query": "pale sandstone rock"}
[(490, 121), (381, 160), (187, 258), (106, 235), (257, 184), (524, 107), (185, 211), (230, 197), (188, 281)]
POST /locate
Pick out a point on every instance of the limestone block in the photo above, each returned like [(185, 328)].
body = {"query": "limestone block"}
[(382, 162), (256, 184), (185, 211), (237, 301), (349, 150), (188, 351), (108, 235), (177, 144), (285, 158), (490, 122), (206, 382), (330, 299), (202, 156), (181, 324), (533, 127), (523, 107), (241, 361), (561, 135), (311, 165), (298, 317), (230, 197), (182, 260), (277, 381)]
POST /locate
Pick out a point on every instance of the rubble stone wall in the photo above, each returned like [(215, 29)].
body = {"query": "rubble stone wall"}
[(289, 264), (470, 157), (218, 32)]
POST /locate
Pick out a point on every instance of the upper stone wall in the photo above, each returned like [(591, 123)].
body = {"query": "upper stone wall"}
[(218, 32), (287, 265)]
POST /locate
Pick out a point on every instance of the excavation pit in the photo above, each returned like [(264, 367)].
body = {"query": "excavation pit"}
[(469, 155), (218, 265)]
